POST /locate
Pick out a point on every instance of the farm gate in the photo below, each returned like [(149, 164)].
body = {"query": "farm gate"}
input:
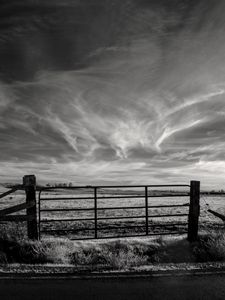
[(93, 212)]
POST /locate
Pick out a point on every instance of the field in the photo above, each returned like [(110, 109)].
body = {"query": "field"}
[(130, 220)]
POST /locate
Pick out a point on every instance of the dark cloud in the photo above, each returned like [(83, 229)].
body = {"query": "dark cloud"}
[(60, 35)]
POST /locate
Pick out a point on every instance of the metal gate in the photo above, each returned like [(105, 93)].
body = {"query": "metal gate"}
[(92, 212)]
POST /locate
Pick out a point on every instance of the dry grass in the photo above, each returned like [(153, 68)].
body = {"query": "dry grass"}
[(13, 231), (113, 254), (117, 254), (210, 247)]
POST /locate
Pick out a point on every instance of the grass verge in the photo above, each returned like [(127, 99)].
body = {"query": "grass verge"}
[(116, 254)]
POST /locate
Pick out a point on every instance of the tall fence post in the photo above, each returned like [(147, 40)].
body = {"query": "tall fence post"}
[(146, 210), (194, 210), (29, 183), (95, 212)]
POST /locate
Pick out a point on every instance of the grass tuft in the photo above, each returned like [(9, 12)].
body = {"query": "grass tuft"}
[(117, 254), (13, 231), (210, 247)]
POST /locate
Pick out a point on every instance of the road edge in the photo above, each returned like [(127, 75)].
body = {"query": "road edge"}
[(62, 272)]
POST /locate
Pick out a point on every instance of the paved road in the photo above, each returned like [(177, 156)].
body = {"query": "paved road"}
[(179, 287)]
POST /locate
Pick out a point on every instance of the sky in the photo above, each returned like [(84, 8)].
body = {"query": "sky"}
[(113, 92)]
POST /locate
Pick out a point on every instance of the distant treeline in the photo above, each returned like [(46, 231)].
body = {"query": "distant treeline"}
[(70, 184)]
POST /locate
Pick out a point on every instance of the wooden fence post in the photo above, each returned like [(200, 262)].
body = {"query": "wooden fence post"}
[(194, 211), (29, 183), (95, 212), (146, 210)]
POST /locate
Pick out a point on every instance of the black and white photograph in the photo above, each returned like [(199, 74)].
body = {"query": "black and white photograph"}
[(112, 149)]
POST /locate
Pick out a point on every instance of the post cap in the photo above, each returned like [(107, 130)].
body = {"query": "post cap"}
[(29, 180)]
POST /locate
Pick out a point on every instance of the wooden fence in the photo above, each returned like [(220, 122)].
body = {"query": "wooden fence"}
[(34, 222), (29, 186)]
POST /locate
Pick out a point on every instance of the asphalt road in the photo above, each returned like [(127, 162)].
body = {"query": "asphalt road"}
[(172, 287)]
